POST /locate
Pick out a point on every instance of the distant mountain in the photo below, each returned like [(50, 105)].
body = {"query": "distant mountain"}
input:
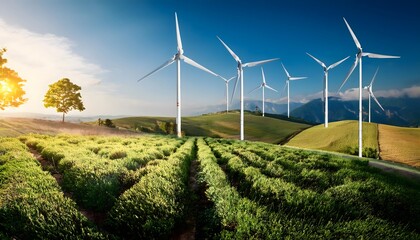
[(398, 111), (250, 105)]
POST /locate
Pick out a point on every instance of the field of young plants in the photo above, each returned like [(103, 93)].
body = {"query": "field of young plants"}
[(152, 187)]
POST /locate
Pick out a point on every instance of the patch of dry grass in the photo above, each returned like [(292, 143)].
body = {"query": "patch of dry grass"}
[(400, 144)]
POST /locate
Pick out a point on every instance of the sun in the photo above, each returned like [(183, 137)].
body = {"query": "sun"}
[(5, 87)]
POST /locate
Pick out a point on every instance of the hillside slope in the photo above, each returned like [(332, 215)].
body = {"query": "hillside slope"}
[(400, 144), (338, 137), (393, 143), (224, 125)]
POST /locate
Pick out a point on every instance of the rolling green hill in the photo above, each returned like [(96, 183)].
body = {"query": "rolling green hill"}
[(224, 125), (393, 143), (338, 137)]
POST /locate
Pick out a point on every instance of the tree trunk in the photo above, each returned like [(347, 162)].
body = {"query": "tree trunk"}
[(63, 118)]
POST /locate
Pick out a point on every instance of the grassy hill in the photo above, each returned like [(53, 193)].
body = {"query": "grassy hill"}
[(338, 137), (396, 144), (223, 125)]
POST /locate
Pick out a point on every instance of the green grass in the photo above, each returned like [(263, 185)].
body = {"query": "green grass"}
[(338, 137), (257, 128)]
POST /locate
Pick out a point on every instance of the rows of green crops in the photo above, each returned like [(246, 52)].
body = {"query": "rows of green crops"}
[(267, 192), (248, 190)]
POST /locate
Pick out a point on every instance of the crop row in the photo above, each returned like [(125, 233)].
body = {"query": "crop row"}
[(96, 170), (32, 205), (350, 197), (153, 206)]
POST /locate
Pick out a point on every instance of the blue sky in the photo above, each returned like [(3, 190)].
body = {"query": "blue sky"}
[(106, 45)]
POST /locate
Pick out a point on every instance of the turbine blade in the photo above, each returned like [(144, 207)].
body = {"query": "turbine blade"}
[(271, 88), (167, 63), (230, 79), (230, 51), (178, 36), (287, 73), (353, 35), (297, 78), (376, 100), (236, 84), (284, 88), (193, 63), (337, 63), (263, 77), (253, 64), (349, 73), (317, 60), (375, 55), (255, 89), (374, 76)]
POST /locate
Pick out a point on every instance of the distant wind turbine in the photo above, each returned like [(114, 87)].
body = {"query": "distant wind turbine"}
[(325, 95), (240, 77), (227, 91), (358, 60), (178, 57), (370, 91), (263, 85), (289, 78)]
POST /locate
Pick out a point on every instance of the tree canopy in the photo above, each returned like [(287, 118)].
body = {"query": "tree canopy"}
[(11, 92), (64, 96)]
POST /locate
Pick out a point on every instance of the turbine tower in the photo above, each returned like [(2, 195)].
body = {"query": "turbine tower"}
[(289, 78), (240, 77), (263, 85), (178, 57), (325, 94), (358, 60), (227, 91), (370, 91)]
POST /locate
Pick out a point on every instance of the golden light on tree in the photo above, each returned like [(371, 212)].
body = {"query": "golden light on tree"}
[(11, 92)]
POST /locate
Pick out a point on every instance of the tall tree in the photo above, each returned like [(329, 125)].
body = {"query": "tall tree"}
[(11, 92), (64, 96)]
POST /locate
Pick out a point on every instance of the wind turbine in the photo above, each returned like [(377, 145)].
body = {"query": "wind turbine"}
[(240, 77), (227, 91), (358, 60), (289, 78), (325, 95), (178, 57), (263, 85), (370, 91)]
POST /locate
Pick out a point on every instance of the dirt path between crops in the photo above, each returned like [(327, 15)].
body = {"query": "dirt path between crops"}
[(188, 230), (96, 217)]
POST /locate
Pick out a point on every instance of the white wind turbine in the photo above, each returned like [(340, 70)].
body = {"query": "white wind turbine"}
[(240, 77), (370, 91), (227, 91), (325, 94), (289, 78), (178, 57), (263, 85), (358, 60)]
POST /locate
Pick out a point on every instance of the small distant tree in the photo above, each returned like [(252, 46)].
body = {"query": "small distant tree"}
[(11, 92), (64, 96), (109, 123)]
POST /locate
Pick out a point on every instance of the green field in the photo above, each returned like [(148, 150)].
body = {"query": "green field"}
[(223, 125), (160, 187)]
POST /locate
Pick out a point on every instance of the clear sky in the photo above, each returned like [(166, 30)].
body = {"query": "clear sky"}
[(106, 45)]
